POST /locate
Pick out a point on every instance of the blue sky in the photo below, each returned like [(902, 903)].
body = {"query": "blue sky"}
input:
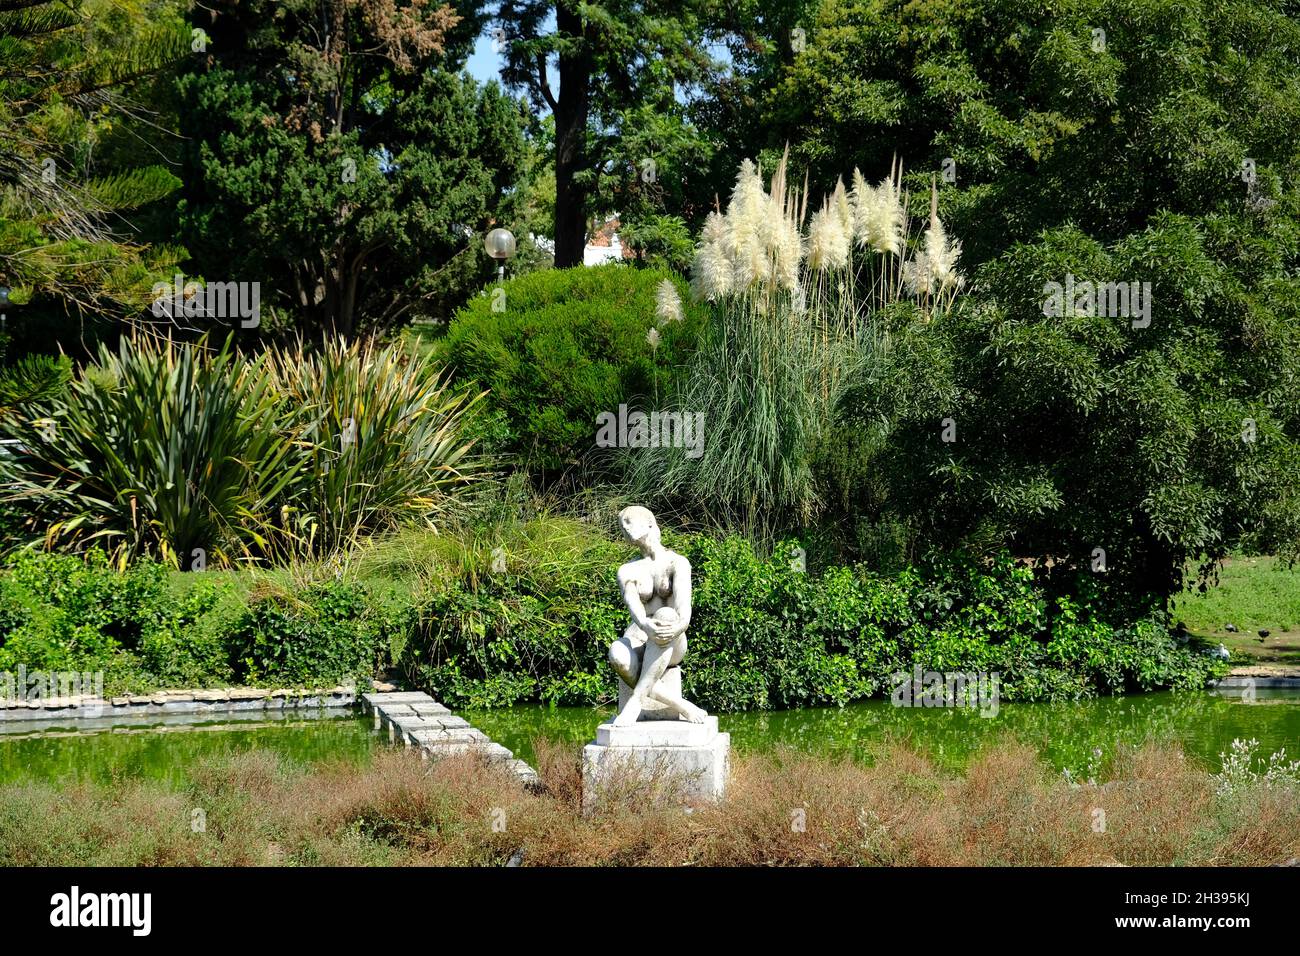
[(484, 63)]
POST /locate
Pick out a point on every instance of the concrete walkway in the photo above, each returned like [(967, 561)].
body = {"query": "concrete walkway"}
[(415, 719)]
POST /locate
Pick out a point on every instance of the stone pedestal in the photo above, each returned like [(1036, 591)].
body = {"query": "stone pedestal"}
[(696, 756)]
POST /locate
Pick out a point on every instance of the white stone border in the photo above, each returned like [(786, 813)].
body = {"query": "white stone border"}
[(231, 700)]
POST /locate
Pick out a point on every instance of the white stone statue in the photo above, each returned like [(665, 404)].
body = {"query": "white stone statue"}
[(657, 591)]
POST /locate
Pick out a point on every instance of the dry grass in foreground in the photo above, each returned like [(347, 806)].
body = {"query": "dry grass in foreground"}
[(789, 809)]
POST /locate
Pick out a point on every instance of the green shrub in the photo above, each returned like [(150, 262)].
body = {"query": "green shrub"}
[(536, 630), (766, 635), (527, 615), (58, 612), (568, 345), (325, 634), (191, 650), (147, 627)]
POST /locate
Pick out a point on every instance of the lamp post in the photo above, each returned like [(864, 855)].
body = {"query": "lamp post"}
[(500, 245)]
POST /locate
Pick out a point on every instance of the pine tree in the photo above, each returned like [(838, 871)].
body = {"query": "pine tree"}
[(352, 171), (63, 84)]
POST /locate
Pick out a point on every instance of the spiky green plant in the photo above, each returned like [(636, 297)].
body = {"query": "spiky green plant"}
[(164, 448), (386, 442), (160, 449)]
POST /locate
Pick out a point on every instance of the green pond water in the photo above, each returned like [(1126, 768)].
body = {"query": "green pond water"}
[(165, 752), (1072, 736), (1067, 734)]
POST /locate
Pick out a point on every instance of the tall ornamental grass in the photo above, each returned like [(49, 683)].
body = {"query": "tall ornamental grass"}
[(796, 304)]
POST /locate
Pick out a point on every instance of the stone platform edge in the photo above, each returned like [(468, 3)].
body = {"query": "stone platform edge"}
[(415, 719), (227, 700), (1259, 682)]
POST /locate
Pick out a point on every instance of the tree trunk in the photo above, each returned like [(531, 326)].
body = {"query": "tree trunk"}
[(571, 113), (1159, 566)]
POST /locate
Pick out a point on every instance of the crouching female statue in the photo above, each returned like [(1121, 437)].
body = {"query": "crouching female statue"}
[(657, 591)]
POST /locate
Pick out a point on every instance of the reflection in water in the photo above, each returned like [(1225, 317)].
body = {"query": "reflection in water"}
[(165, 753), (1066, 734)]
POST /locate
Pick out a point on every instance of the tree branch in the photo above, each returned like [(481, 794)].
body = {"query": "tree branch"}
[(543, 85)]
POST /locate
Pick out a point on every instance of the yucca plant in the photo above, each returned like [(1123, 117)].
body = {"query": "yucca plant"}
[(159, 449), (386, 443)]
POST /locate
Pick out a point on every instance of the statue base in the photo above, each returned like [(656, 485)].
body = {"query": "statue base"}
[(692, 759)]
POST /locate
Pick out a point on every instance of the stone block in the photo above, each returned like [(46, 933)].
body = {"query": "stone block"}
[(405, 697), (658, 733), (429, 708)]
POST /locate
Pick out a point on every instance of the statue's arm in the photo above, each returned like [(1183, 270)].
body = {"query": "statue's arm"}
[(632, 598), (682, 594)]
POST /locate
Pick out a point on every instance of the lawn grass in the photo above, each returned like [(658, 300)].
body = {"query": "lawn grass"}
[(1253, 594), (426, 339)]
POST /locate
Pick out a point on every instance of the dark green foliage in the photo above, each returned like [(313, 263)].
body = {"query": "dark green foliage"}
[(765, 635), (146, 627), (568, 345), (353, 172), (60, 612), (1082, 438), (68, 74), (621, 136), (1101, 113), (1157, 150), (33, 378), (191, 651), (324, 634)]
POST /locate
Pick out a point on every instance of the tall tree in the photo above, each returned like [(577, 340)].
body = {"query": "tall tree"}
[(338, 157), (1145, 142), (615, 63)]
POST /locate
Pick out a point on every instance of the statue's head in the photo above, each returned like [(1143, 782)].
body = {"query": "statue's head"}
[(639, 526)]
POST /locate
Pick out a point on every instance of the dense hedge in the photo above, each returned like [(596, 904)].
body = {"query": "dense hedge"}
[(148, 627), (566, 345), (763, 634)]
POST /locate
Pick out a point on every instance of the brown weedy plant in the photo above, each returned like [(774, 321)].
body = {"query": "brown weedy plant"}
[(782, 809)]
